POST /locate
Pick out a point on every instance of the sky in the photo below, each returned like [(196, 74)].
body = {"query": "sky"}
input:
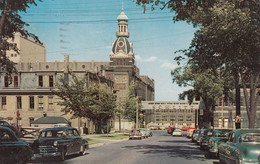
[(85, 30)]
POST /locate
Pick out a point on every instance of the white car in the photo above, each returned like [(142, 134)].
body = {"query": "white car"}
[(177, 132)]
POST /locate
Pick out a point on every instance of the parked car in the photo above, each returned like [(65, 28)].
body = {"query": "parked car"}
[(243, 146), (195, 135), (189, 133), (135, 134), (144, 133), (218, 136), (13, 150), (204, 140), (6, 124), (200, 135), (150, 133), (59, 142), (171, 128), (177, 132)]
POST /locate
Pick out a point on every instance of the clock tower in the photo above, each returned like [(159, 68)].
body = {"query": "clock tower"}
[(122, 50)]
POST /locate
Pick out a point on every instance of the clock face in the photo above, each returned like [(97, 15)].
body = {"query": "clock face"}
[(120, 44)]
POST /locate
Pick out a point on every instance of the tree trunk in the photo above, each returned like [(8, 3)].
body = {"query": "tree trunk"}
[(250, 99), (2, 20)]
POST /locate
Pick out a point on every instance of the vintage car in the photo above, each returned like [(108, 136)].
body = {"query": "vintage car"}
[(135, 134), (59, 142), (189, 133), (195, 135), (6, 124), (177, 132), (13, 150), (242, 147), (204, 140), (218, 136), (145, 133)]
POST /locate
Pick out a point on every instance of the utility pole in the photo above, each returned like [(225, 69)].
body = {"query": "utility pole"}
[(137, 106)]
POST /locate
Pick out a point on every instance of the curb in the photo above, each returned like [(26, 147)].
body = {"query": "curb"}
[(106, 143)]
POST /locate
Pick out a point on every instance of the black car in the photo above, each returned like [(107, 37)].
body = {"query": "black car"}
[(59, 142), (13, 150), (204, 139), (6, 124)]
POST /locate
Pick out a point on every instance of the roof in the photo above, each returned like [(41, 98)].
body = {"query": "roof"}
[(58, 128), (122, 16), (51, 120)]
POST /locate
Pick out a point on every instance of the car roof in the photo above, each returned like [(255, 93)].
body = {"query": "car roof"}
[(5, 128), (242, 131), (57, 129)]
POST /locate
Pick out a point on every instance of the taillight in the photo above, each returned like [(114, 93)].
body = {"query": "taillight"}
[(212, 143), (237, 151)]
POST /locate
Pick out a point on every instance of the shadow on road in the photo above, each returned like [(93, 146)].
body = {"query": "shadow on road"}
[(186, 150)]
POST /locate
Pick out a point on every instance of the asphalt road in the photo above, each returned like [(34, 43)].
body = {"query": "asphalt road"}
[(162, 148)]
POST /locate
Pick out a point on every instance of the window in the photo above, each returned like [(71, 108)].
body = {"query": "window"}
[(180, 118), (51, 81), (6, 81), (3, 106), (40, 102), (40, 80), (51, 105), (19, 102), (188, 118), (31, 102), (164, 117), (15, 81), (172, 118), (158, 118), (124, 28)]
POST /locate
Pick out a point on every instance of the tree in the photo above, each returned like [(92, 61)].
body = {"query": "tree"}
[(93, 101), (205, 85), (130, 103), (11, 23), (227, 30)]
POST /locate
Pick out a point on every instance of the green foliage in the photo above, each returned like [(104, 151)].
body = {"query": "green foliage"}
[(95, 102), (228, 34), (130, 103), (11, 23)]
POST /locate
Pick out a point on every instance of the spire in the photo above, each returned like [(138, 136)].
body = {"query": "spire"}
[(122, 5)]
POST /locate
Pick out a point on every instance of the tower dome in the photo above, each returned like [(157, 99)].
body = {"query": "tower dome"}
[(121, 45), (122, 16)]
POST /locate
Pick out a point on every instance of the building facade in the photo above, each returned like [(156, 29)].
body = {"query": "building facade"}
[(225, 113), (29, 50), (165, 113), (29, 96)]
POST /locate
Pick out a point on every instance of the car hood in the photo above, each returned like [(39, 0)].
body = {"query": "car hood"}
[(250, 150)]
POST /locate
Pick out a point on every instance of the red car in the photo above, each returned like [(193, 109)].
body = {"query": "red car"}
[(135, 134), (171, 128)]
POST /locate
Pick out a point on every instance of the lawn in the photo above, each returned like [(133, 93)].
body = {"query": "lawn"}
[(91, 142), (112, 136)]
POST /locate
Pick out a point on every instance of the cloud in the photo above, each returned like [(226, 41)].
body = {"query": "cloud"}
[(168, 65), (150, 59)]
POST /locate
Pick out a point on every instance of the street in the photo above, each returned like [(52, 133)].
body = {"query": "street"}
[(162, 148)]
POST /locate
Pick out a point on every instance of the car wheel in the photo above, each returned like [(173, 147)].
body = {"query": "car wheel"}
[(83, 150), (62, 154)]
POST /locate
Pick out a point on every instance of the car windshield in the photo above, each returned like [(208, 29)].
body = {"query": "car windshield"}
[(52, 133), (252, 137), (6, 136), (222, 133), (135, 131)]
